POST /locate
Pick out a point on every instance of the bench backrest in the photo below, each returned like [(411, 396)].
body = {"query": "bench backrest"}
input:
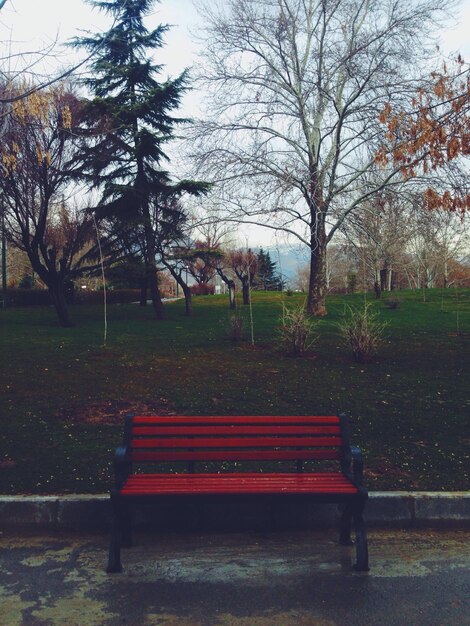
[(240, 438)]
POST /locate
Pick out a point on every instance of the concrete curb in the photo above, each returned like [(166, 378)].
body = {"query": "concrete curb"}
[(83, 512)]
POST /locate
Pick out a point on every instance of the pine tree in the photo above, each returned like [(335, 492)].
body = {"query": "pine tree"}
[(268, 278), (130, 121)]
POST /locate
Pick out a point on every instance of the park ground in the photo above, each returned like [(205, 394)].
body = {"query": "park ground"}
[(63, 394)]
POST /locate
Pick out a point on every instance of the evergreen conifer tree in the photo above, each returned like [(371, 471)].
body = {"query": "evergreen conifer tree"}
[(130, 123), (268, 278)]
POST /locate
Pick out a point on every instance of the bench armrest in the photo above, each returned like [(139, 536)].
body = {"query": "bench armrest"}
[(358, 464), (122, 466)]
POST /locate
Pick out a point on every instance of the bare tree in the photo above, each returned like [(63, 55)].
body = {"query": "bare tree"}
[(378, 236), (218, 246), (437, 242), (227, 275), (244, 264), (339, 265), (36, 163), (296, 88), (397, 241)]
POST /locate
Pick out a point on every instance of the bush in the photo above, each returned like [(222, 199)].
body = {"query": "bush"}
[(26, 282), (202, 289), (113, 296), (35, 297), (392, 302), (297, 333), (362, 332), (352, 282), (28, 297), (235, 326)]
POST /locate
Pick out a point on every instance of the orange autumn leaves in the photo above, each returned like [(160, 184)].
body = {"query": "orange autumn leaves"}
[(434, 133)]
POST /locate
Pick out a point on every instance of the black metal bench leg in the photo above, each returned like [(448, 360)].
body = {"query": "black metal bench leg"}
[(114, 559), (362, 553), (345, 526), (126, 541)]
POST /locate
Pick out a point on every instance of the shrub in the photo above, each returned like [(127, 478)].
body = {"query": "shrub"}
[(28, 297), (362, 332), (26, 282), (202, 289), (351, 282), (41, 297), (297, 332), (235, 326), (392, 302), (113, 296)]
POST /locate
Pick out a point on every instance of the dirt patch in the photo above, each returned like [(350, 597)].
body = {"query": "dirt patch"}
[(7, 464), (258, 347), (113, 412), (104, 354), (381, 465)]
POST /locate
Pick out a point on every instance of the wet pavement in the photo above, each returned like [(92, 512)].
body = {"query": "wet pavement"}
[(243, 579)]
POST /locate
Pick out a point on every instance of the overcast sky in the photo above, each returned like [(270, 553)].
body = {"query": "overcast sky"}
[(33, 24)]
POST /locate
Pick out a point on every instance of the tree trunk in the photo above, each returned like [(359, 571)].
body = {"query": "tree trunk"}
[(184, 286), (143, 290), (231, 289), (429, 278), (377, 285), (446, 274), (246, 291), (152, 280), (327, 275), (383, 279), (141, 184), (188, 301), (155, 292), (57, 293), (4, 263), (231, 295), (316, 303)]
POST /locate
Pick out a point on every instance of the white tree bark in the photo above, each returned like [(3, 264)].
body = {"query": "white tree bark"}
[(294, 89)]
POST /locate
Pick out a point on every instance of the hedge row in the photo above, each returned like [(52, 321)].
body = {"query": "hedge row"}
[(113, 296), (28, 297), (202, 290), (32, 297)]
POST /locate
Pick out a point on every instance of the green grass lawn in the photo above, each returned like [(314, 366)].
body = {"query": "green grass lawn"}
[(62, 395)]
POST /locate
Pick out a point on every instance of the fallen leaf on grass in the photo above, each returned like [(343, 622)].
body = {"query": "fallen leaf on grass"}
[(7, 464), (113, 412)]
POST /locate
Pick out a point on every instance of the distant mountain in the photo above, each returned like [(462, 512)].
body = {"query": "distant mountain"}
[(288, 258)]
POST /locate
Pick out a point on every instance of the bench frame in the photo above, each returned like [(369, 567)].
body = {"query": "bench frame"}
[(349, 457)]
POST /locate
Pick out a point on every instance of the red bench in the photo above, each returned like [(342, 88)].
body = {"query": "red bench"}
[(197, 440)]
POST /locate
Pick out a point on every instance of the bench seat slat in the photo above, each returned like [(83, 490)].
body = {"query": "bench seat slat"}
[(237, 442), (139, 420), (266, 475), (239, 455), (240, 483), (210, 429)]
